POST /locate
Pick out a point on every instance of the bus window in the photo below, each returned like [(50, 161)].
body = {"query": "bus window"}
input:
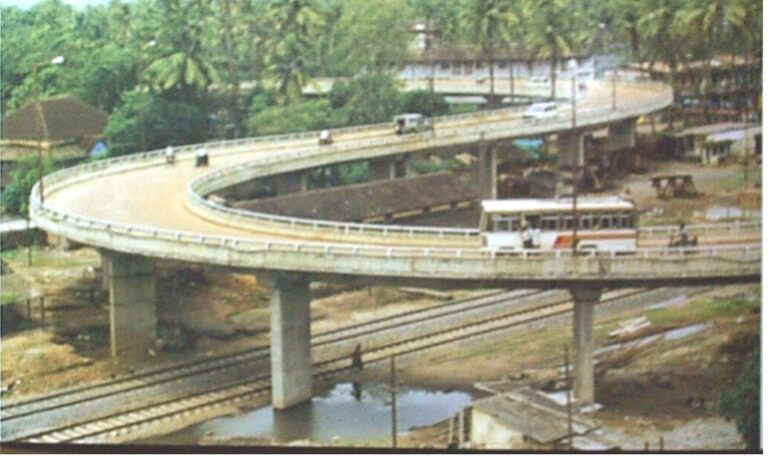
[(533, 221), (567, 222), (585, 222), (605, 221), (506, 223), (549, 223), (500, 224)]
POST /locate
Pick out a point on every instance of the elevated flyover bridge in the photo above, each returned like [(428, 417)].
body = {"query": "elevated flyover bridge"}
[(137, 209)]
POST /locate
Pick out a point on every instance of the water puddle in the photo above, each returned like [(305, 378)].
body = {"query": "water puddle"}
[(349, 412), (668, 303), (669, 335), (682, 332)]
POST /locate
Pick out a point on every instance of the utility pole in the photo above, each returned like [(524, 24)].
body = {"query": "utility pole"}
[(575, 167), (568, 396), (39, 128), (393, 390)]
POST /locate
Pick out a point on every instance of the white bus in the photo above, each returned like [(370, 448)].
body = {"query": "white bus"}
[(608, 223)]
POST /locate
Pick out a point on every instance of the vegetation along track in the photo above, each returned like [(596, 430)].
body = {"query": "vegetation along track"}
[(428, 331)]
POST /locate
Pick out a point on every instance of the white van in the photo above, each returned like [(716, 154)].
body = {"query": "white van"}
[(539, 81), (539, 111), (409, 123)]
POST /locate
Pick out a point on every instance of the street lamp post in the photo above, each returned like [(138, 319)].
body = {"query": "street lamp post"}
[(574, 159), (39, 130)]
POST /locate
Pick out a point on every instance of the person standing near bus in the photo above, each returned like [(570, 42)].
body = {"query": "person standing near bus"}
[(536, 239), (528, 237)]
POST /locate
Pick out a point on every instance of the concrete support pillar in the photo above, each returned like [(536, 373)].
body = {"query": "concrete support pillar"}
[(381, 169), (402, 168), (584, 301), (291, 358), (132, 304), (486, 170), (570, 146), (622, 134)]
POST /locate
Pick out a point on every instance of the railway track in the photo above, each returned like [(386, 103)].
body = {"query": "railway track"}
[(175, 374), (248, 387)]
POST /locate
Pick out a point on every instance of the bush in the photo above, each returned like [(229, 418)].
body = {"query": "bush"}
[(433, 166), (420, 101), (295, 117), (15, 196), (742, 401)]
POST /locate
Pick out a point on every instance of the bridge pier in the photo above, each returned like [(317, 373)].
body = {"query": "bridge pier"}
[(570, 147), (486, 170), (381, 169), (290, 349), (584, 300), (132, 303), (622, 134)]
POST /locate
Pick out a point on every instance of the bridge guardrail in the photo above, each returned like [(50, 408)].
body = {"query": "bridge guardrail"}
[(749, 251)]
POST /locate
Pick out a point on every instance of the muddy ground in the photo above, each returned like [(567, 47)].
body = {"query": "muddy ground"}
[(204, 313)]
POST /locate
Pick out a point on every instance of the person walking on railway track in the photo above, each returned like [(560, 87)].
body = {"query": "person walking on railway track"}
[(357, 357), (683, 234)]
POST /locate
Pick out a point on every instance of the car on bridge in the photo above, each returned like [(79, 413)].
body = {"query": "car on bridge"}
[(538, 111), (410, 123)]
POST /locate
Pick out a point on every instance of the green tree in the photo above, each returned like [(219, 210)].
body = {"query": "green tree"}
[(371, 36), (294, 24), (553, 32), (741, 402), (442, 15), (165, 122), (181, 68), (295, 117), (15, 196), (370, 98)]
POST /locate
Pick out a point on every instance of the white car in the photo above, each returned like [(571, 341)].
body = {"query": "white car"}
[(538, 111)]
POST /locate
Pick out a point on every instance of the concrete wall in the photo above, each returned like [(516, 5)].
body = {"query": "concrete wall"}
[(475, 68), (490, 433)]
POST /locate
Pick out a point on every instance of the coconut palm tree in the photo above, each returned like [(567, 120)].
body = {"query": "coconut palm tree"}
[(486, 24), (183, 65), (294, 24), (551, 32)]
